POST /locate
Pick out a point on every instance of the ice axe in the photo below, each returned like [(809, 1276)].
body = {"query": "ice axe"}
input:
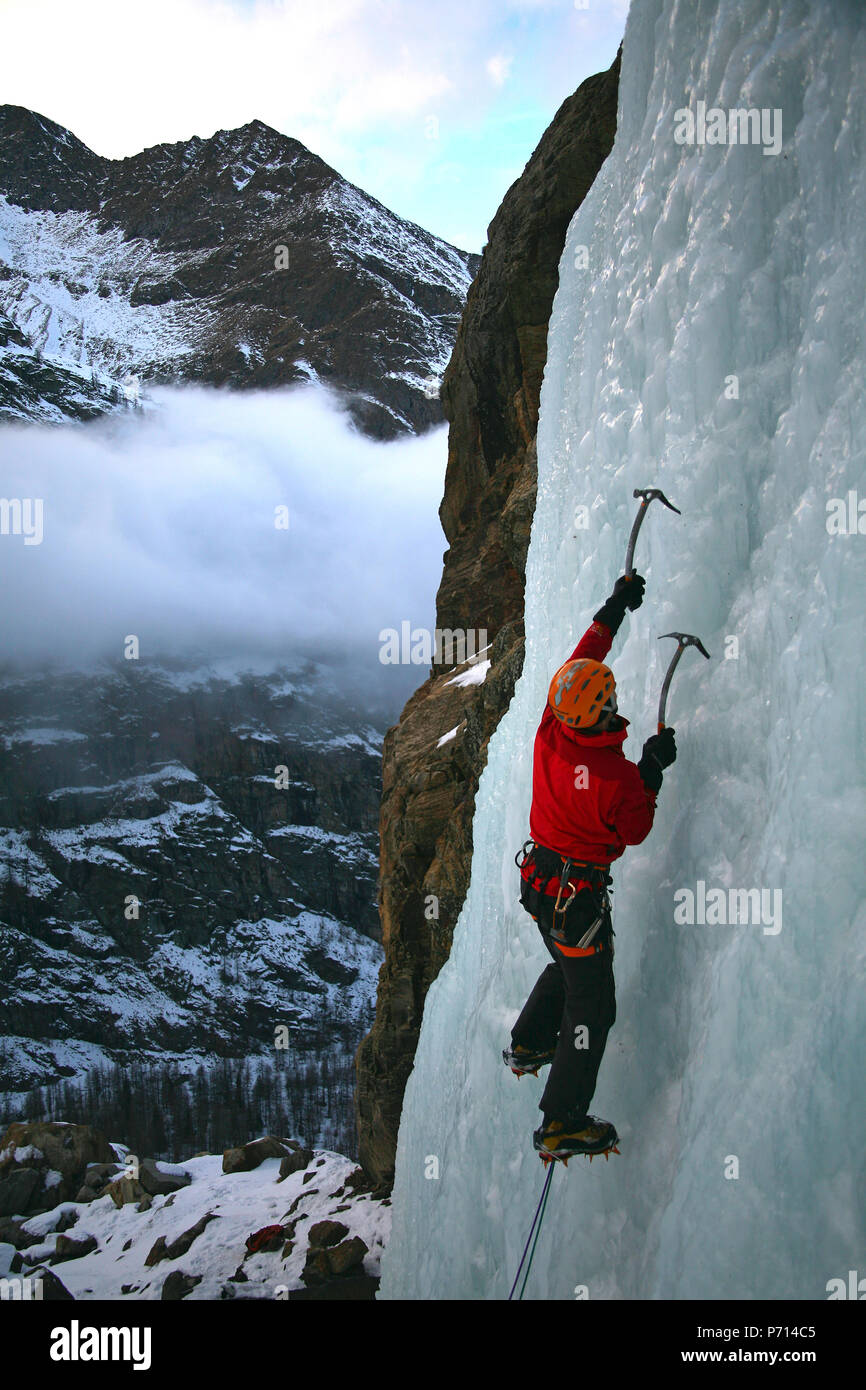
[(685, 639), (647, 495)]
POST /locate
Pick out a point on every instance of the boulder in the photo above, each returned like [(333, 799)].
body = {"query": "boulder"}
[(316, 1270), (67, 1248), (358, 1182), (249, 1156), (124, 1190), (53, 1291), (60, 1220), (156, 1253), (98, 1176), (311, 1192), (295, 1162), (39, 1148), (327, 1233), (352, 1288), (346, 1257), (177, 1285), (18, 1191), (163, 1250), (324, 1263), (158, 1182), (13, 1233)]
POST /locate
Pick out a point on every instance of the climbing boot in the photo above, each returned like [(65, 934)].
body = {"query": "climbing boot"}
[(526, 1059), (562, 1139)]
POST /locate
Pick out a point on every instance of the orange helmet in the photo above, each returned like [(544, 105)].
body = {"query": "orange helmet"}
[(580, 690)]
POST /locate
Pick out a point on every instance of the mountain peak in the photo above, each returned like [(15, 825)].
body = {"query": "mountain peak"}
[(205, 226), (44, 165)]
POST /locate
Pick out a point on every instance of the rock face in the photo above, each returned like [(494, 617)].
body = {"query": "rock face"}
[(255, 902), (245, 1159), (240, 260), (44, 1163), (491, 397)]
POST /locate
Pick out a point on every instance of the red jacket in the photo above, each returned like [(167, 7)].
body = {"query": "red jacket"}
[(610, 807)]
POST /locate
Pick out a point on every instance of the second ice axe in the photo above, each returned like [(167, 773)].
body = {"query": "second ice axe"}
[(685, 639), (647, 495)]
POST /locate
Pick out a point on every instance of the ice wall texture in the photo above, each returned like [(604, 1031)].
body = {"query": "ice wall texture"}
[(732, 1041)]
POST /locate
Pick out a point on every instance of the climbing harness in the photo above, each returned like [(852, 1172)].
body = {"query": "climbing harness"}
[(538, 866)]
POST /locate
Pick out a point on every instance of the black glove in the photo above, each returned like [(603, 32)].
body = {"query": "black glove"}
[(658, 753), (628, 592)]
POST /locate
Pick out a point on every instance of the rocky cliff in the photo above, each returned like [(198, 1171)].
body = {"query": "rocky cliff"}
[(434, 756), (242, 260)]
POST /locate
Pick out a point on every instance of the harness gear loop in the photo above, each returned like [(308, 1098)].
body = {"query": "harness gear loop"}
[(523, 853), (559, 907), (539, 866)]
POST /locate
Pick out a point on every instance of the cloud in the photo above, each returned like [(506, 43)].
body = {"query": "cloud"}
[(499, 66), (123, 80), (354, 80), (163, 526)]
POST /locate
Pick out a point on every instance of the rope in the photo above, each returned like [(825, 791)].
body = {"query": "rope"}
[(538, 1217)]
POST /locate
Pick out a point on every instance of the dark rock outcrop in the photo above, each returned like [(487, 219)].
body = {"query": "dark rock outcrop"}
[(53, 1289), (325, 1233), (245, 1159), (326, 1261), (172, 1250), (158, 1183), (44, 1163), (491, 398), (178, 1285), (295, 1162), (68, 1248)]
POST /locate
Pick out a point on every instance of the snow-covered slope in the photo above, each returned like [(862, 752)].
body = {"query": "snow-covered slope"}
[(216, 1262), (238, 260), (707, 338)]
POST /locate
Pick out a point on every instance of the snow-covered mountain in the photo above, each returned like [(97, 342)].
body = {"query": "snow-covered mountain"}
[(243, 261), (240, 260), (187, 875), (707, 338)]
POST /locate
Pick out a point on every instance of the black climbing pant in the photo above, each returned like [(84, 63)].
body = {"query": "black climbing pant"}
[(572, 1007)]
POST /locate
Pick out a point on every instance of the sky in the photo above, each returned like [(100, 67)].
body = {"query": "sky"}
[(163, 526), (434, 109)]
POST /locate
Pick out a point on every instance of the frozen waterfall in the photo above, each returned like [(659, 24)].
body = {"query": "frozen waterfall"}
[(707, 338)]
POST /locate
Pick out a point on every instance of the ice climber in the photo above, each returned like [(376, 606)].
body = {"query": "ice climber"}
[(588, 802)]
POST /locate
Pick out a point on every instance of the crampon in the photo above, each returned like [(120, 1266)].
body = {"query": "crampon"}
[(524, 1062), (558, 1142), (563, 1158)]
